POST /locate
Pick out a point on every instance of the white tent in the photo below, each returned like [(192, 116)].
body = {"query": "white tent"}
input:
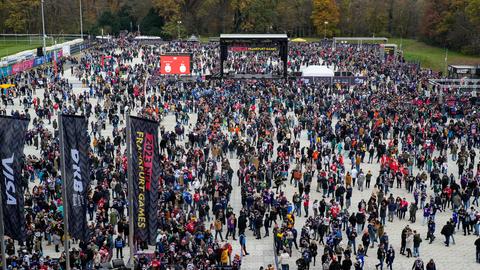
[(317, 71), (193, 38)]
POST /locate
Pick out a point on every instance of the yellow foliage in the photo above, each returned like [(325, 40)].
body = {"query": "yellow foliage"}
[(325, 16)]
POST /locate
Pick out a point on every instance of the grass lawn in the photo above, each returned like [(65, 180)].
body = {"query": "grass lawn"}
[(431, 56), (9, 45)]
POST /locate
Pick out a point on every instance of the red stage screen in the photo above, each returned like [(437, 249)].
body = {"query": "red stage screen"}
[(174, 64)]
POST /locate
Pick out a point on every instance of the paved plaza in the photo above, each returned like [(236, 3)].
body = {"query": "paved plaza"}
[(458, 256)]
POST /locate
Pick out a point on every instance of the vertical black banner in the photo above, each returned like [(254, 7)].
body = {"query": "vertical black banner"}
[(146, 171), (12, 140), (76, 178)]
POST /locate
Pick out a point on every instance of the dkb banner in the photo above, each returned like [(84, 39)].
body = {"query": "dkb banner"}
[(146, 171), (12, 140), (77, 176)]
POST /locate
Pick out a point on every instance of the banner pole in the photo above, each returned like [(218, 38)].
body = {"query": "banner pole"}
[(64, 192), (2, 234), (130, 193)]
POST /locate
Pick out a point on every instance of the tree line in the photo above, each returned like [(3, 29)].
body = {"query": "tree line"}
[(453, 24)]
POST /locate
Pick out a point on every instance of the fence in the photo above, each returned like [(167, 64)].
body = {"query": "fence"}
[(25, 64), (14, 43)]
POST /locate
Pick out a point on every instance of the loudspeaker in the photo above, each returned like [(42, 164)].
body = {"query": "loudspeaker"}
[(118, 263), (223, 52), (39, 51)]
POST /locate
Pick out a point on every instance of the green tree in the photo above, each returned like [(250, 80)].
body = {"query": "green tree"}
[(258, 17), (109, 22), (293, 17), (240, 13), (325, 17), (172, 30), (152, 23), (473, 11), (377, 17), (432, 20), (222, 22), (406, 18), (185, 11), (473, 14), (345, 24), (126, 19), (168, 9), (19, 14)]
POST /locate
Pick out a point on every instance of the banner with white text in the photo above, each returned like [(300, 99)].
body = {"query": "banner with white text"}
[(12, 141), (145, 160), (77, 176)]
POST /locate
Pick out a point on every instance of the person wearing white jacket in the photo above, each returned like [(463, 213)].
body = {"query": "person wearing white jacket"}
[(284, 260), (409, 245)]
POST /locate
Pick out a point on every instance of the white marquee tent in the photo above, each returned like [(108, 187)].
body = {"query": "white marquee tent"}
[(317, 71)]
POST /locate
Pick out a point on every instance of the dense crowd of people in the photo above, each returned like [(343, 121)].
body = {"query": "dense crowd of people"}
[(303, 150)]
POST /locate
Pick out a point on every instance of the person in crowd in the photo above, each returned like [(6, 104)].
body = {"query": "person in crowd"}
[(380, 257), (477, 248), (430, 265), (227, 148), (418, 264), (390, 257)]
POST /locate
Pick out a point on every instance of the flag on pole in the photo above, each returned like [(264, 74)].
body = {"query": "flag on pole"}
[(55, 63), (77, 176), (12, 141), (145, 160)]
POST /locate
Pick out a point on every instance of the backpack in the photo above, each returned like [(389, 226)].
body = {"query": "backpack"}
[(296, 199), (119, 243), (218, 225), (306, 256), (297, 175), (188, 197)]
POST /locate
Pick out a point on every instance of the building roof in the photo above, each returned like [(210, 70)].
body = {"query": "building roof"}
[(253, 36)]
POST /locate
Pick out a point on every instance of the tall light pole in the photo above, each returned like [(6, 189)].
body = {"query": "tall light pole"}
[(43, 26), (325, 23), (446, 62), (81, 20), (178, 29)]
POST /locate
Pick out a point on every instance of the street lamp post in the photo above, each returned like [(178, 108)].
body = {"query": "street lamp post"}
[(178, 29), (43, 26), (81, 20), (446, 62), (325, 29)]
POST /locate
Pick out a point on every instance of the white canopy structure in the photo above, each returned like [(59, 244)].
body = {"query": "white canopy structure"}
[(193, 38), (317, 71)]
